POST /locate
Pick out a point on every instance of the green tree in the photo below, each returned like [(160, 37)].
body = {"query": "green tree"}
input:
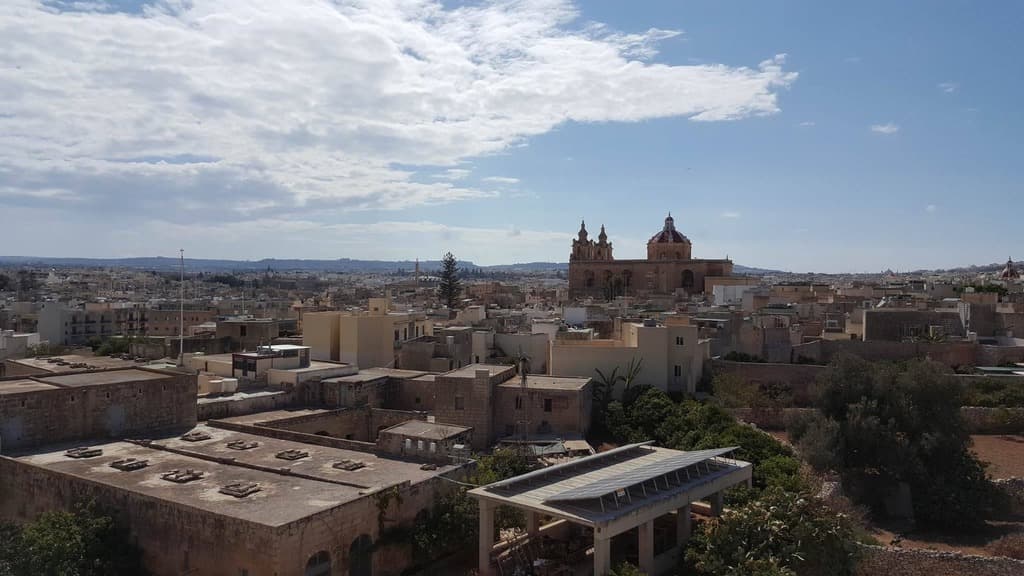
[(883, 426), (453, 523), (80, 542), (780, 533), (450, 286), (5, 282)]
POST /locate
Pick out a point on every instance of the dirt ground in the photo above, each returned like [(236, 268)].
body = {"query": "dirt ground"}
[(1004, 454)]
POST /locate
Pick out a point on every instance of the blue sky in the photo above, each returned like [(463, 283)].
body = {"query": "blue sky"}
[(796, 135)]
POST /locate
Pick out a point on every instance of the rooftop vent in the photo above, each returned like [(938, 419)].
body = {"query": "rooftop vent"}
[(182, 476), (240, 489), (349, 465), (83, 452), (292, 454), (196, 436), (242, 444), (129, 464)]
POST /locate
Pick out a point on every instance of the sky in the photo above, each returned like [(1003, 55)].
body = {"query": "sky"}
[(794, 135)]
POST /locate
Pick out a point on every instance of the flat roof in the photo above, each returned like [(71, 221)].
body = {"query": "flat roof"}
[(357, 378), (602, 487), (94, 362), (282, 499), (100, 378), (22, 386), (427, 430), (470, 371), (274, 415), (545, 382), (395, 372)]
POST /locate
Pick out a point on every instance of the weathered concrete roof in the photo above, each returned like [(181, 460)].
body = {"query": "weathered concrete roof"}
[(426, 430), (104, 377), (283, 497), (23, 385), (544, 382)]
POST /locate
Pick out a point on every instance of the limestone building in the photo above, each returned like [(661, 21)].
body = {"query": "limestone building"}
[(669, 268)]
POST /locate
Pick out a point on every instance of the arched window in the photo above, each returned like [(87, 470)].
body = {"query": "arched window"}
[(687, 278), (319, 564), (588, 279), (360, 556)]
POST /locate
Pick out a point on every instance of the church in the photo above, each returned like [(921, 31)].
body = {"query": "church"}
[(669, 269)]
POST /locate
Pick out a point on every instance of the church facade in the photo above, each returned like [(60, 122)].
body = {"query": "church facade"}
[(669, 269)]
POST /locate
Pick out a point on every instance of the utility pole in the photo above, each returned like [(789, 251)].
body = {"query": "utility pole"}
[(181, 311)]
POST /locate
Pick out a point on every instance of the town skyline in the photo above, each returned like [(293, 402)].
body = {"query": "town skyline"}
[(763, 131)]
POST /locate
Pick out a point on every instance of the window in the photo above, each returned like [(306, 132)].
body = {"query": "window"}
[(460, 403), (419, 445), (241, 331), (680, 341), (408, 443), (405, 333), (678, 370), (433, 447), (417, 400), (547, 404), (396, 335), (519, 402)]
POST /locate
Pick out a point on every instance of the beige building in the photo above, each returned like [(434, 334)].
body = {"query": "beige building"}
[(366, 339), (672, 353)]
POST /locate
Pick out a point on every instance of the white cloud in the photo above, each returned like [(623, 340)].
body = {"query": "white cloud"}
[(948, 87), (501, 180), (807, 124), (188, 106), (453, 174), (887, 128), (731, 215), (931, 208)]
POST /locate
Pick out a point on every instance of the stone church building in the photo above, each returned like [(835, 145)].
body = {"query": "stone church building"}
[(669, 269)]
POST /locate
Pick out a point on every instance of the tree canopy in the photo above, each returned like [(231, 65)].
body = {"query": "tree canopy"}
[(883, 426), (779, 534), (80, 542), (450, 286)]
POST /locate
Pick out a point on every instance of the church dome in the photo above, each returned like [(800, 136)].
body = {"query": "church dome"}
[(669, 234), (1010, 272)]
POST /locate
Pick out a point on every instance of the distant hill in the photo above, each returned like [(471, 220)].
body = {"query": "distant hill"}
[(160, 263)]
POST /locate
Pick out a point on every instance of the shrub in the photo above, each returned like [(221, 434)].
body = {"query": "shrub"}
[(885, 425), (779, 533)]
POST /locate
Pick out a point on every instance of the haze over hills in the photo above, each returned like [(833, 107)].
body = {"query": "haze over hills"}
[(339, 265)]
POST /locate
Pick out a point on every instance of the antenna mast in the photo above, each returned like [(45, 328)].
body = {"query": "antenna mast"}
[(181, 311)]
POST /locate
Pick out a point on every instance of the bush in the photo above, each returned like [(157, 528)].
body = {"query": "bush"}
[(690, 425), (742, 357), (82, 542), (1004, 392), (881, 426), (453, 521), (779, 533)]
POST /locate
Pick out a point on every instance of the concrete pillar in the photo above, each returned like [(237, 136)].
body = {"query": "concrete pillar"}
[(486, 536), (646, 532), (717, 503), (532, 524), (683, 526), (602, 554)]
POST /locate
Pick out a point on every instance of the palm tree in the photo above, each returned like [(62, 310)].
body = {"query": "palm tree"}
[(604, 388), (632, 371)]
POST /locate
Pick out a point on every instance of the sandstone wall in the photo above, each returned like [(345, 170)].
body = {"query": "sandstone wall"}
[(907, 562), (97, 411)]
